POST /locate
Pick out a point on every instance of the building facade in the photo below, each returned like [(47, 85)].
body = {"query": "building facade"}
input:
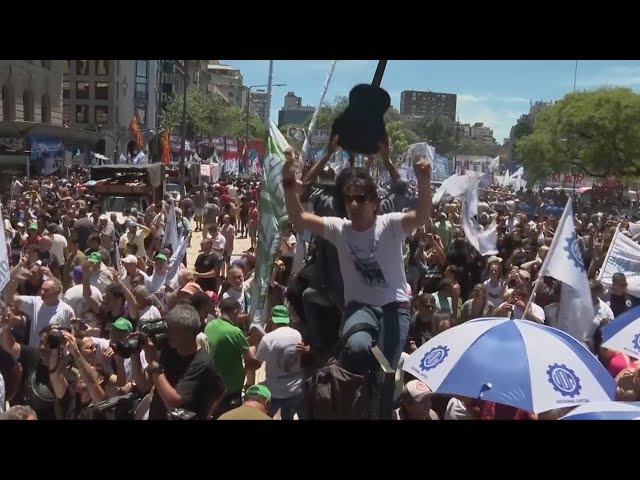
[(226, 81), (31, 90), (102, 95), (259, 101), (482, 133), (293, 112), (424, 104)]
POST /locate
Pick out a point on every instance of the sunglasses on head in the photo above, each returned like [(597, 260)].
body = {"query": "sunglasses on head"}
[(359, 198)]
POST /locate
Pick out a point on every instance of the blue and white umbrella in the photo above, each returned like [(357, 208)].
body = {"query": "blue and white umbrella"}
[(512, 362), (605, 411), (623, 333)]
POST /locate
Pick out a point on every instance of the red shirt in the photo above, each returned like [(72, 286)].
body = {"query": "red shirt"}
[(497, 411)]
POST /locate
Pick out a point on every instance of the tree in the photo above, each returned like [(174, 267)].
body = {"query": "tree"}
[(596, 132), (328, 113), (209, 115), (398, 144), (522, 128), (469, 146), (437, 132)]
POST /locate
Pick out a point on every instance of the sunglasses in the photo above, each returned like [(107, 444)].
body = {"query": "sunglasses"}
[(359, 198)]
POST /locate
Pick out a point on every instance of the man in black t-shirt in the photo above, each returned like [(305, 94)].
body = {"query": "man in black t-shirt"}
[(182, 373), (207, 267), (619, 300)]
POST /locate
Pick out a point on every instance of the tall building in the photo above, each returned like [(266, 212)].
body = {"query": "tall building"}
[(103, 95), (428, 103), (171, 78), (293, 112), (31, 91), (259, 102), (482, 133), (226, 81)]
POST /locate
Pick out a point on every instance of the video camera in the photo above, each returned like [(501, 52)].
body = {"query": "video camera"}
[(180, 414), (155, 330), (116, 408), (55, 339)]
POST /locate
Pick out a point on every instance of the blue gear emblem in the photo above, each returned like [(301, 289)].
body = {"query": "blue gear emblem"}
[(636, 342), (573, 250), (564, 380), (433, 358)]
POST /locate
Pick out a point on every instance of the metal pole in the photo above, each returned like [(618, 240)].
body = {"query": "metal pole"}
[(246, 132), (575, 76), (267, 114), (184, 129)]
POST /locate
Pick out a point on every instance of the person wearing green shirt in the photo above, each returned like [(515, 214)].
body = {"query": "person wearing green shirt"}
[(228, 347)]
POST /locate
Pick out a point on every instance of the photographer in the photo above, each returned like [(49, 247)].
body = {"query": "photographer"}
[(182, 374), (73, 399)]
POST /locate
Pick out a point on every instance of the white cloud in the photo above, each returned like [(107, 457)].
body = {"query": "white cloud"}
[(495, 111), (615, 75)]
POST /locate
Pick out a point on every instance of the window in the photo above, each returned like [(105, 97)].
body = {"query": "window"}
[(102, 114), (45, 109), (27, 106), (66, 89), (141, 110), (82, 90), (101, 91), (82, 67), (102, 67), (141, 79), (66, 113), (82, 113)]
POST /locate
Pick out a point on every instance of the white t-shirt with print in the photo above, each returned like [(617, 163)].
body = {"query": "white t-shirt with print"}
[(371, 261), (73, 297), (283, 370), (43, 315)]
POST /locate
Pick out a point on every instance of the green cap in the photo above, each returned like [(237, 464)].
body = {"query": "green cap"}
[(33, 225), (280, 314), (123, 324), (95, 257), (259, 391), (161, 256)]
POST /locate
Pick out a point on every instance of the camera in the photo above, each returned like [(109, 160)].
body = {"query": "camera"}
[(156, 331), (180, 414), (116, 408), (55, 339)]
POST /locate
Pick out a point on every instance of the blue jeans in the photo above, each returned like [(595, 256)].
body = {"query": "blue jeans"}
[(287, 406), (391, 322)]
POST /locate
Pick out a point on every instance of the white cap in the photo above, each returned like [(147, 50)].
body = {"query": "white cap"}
[(104, 217), (417, 390), (130, 259)]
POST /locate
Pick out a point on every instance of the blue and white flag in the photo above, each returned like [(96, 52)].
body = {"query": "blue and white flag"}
[(564, 262), (623, 333), (485, 241), (171, 229)]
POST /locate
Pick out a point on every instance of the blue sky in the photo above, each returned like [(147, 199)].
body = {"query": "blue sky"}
[(495, 92)]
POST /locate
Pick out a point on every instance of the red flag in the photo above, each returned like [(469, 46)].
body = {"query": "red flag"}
[(135, 131), (164, 147)]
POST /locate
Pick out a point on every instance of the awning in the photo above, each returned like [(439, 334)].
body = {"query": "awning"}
[(17, 129)]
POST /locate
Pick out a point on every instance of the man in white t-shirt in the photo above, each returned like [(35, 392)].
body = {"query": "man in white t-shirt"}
[(370, 248), (47, 309), (74, 296), (130, 264), (281, 351), (218, 240)]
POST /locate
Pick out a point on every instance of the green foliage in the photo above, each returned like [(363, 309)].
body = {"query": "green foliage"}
[(596, 132), (468, 146), (397, 141), (209, 115), (437, 132)]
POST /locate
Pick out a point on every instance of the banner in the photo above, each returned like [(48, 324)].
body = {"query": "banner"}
[(623, 257), (175, 142), (4, 260), (231, 164), (47, 154), (441, 170)]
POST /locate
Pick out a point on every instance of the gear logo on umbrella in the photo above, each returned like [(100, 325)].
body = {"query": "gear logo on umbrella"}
[(433, 358), (573, 250), (636, 342), (564, 380)]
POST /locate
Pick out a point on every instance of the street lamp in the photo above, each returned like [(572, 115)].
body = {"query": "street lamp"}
[(246, 129)]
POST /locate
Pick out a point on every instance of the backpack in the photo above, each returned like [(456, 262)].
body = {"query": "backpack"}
[(334, 393)]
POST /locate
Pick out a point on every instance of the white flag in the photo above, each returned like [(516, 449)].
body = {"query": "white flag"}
[(456, 186), (624, 257), (176, 259), (484, 242), (171, 229), (506, 179), (4, 260), (564, 262)]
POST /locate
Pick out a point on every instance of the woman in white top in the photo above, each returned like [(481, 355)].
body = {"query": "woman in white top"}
[(370, 254)]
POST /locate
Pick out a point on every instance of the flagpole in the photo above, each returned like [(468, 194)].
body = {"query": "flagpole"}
[(267, 114), (546, 259), (606, 258), (314, 118)]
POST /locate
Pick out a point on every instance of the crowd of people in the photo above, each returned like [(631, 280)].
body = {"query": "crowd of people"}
[(101, 319)]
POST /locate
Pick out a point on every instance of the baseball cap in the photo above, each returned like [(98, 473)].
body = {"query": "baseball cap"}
[(212, 295), (259, 391), (417, 391), (20, 224), (191, 288), (280, 315), (239, 262), (130, 259), (103, 217), (122, 324), (33, 226), (95, 257), (161, 256)]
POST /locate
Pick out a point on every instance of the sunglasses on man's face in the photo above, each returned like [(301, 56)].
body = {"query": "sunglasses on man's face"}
[(359, 198)]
